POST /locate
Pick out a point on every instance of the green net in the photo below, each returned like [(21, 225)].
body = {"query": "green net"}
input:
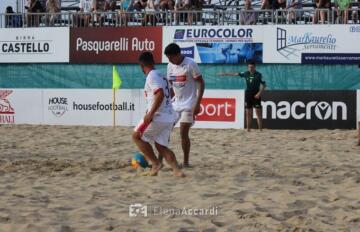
[(277, 76)]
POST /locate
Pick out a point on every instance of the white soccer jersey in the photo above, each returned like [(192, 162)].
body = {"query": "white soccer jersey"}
[(155, 82), (182, 78)]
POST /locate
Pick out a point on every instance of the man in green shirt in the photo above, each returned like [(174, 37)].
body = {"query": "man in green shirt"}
[(255, 86)]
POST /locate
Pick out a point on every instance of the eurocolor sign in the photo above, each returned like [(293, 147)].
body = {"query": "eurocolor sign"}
[(114, 44), (215, 44), (34, 45), (315, 44), (309, 109)]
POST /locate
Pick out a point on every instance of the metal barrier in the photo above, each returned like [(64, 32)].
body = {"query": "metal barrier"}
[(302, 16), (231, 16)]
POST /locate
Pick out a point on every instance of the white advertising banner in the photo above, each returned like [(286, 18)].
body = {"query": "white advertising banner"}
[(91, 107), (216, 44), (21, 106), (34, 45), (221, 109), (315, 44)]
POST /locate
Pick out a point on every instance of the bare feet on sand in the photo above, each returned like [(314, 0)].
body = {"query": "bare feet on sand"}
[(178, 173)]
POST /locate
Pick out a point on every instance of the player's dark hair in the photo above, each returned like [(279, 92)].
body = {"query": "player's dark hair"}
[(251, 62), (172, 49), (147, 58)]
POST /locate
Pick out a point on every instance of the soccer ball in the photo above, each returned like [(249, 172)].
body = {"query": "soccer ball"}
[(139, 161)]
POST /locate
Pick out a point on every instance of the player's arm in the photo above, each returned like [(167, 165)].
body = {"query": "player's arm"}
[(158, 98), (230, 74), (261, 89), (200, 88)]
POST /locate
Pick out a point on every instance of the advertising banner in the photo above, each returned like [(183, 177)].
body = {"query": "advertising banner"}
[(309, 109), (20, 106), (217, 44), (114, 44), (91, 107), (221, 109), (34, 45), (358, 107), (315, 44)]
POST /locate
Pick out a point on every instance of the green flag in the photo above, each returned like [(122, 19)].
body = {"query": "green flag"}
[(116, 79)]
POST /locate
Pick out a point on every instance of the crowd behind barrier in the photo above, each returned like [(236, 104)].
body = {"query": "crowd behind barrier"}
[(101, 13)]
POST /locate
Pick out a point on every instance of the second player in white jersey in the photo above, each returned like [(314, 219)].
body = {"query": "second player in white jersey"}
[(188, 88), (182, 78)]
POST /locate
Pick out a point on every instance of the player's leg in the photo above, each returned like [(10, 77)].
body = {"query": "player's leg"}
[(248, 110), (141, 137), (249, 116), (185, 141), (162, 139), (170, 159), (257, 107), (258, 112)]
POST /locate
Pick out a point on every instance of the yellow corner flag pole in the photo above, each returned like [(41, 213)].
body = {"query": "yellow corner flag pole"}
[(116, 85)]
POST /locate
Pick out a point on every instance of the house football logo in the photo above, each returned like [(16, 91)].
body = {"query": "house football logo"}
[(7, 112), (58, 106)]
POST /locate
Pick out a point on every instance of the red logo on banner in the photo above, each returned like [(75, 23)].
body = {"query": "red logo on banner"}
[(114, 45), (6, 110), (217, 109)]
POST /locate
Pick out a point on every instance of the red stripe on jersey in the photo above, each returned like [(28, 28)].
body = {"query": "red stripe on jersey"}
[(180, 78), (142, 128), (157, 90), (197, 77)]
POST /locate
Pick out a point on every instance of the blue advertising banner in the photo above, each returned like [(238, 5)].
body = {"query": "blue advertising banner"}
[(217, 45)]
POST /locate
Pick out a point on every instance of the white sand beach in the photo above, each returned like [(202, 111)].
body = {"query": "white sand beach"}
[(65, 179)]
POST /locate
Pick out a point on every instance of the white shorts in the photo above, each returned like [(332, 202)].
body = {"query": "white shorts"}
[(155, 131), (185, 117)]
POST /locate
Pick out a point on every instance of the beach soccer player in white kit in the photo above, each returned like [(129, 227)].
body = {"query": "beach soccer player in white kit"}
[(158, 122), (188, 88)]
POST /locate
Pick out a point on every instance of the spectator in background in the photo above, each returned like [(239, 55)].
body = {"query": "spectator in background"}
[(150, 13), (181, 5), (265, 5), (52, 7), (83, 19), (321, 4), (166, 5), (140, 5), (342, 10), (197, 6), (278, 4), (100, 6), (355, 18), (11, 19), (292, 6), (34, 9), (248, 17)]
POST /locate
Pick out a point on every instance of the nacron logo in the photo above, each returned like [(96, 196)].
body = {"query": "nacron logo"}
[(298, 110), (6, 110), (58, 106), (293, 44), (209, 34)]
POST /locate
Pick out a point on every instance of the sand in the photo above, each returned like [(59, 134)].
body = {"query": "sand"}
[(56, 178)]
